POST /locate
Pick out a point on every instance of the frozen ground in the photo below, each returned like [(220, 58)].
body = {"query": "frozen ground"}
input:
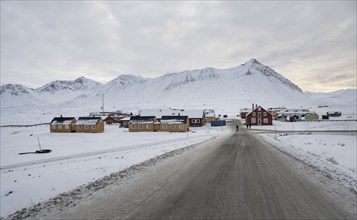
[(332, 154), (77, 159)]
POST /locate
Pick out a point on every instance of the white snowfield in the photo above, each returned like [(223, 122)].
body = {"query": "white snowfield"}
[(77, 158)]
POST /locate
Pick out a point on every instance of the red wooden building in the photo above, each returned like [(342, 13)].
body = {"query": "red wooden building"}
[(259, 116)]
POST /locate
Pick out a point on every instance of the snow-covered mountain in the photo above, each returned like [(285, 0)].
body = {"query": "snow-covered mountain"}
[(123, 82), (17, 95), (14, 90), (65, 86), (340, 97), (55, 92), (225, 89)]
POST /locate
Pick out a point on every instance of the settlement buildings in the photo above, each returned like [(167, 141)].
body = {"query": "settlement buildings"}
[(258, 116), (83, 124), (143, 123), (63, 124), (90, 125), (174, 123)]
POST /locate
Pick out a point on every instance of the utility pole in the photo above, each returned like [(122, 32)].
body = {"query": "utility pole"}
[(103, 102)]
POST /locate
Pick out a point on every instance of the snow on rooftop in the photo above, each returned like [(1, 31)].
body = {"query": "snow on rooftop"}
[(158, 113), (125, 119), (87, 121), (64, 122), (140, 122), (172, 121)]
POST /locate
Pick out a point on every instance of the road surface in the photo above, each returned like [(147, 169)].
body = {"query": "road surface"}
[(237, 177)]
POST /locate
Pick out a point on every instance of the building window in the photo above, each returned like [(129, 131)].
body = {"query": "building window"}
[(148, 126), (265, 120), (132, 126), (79, 126), (195, 120), (93, 126), (66, 126), (164, 126), (259, 114), (265, 114), (59, 126), (181, 126), (53, 126), (253, 114), (85, 126), (173, 126), (140, 126), (253, 121)]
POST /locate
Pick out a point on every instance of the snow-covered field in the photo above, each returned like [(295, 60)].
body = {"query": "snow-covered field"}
[(77, 159), (341, 125)]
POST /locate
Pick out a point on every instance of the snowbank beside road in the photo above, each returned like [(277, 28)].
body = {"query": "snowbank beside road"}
[(332, 154), (77, 159)]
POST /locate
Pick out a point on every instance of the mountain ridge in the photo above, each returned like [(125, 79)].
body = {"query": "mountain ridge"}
[(249, 82)]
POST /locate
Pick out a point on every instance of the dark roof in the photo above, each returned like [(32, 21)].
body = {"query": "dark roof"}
[(62, 119), (173, 117), (142, 118), (257, 108), (89, 118)]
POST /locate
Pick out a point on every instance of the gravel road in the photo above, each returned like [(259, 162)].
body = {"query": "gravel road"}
[(235, 177)]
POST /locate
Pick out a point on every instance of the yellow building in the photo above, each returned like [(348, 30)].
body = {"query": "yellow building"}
[(174, 123), (63, 124), (142, 123), (90, 125)]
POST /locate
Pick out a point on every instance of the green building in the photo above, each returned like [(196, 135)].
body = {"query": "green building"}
[(311, 116)]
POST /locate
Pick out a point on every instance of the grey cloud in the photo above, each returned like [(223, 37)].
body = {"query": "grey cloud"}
[(54, 40)]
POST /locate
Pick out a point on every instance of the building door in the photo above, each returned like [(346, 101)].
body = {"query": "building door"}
[(259, 121)]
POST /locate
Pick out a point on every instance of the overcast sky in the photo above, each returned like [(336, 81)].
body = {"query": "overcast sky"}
[(312, 43)]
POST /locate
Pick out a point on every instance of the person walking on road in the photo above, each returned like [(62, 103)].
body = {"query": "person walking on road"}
[(237, 127)]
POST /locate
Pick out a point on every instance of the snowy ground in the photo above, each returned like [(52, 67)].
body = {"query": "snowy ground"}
[(341, 125), (77, 159), (333, 154)]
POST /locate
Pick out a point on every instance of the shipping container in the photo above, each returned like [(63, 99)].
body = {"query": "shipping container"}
[(218, 123)]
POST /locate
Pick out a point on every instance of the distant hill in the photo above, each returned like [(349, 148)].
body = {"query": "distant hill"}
[(340, 97)]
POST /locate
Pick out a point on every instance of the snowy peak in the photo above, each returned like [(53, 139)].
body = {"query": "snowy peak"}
[(188, 76), (14, 89), (80, 84), (124, 81), (255, 66), (252, 62)]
